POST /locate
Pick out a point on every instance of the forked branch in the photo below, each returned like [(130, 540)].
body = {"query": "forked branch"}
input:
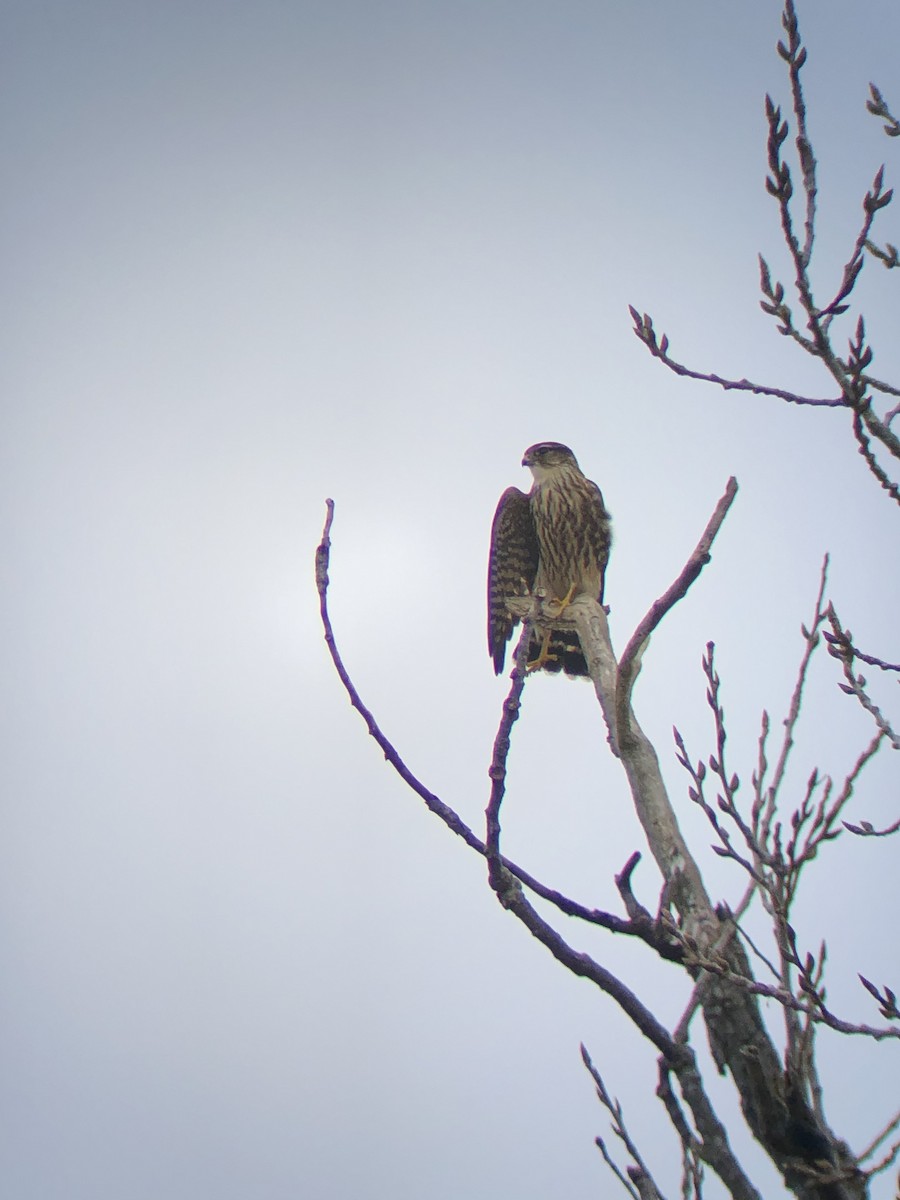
[(640, 926)]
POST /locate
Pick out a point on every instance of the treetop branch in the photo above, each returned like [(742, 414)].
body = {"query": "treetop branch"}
[(691, 570)]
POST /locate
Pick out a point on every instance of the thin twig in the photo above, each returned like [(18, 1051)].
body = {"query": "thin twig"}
[(813, 1007), (611, 1163), (691, 1150), (840, 646), (643, 328), (881, 1137), (867, 829), (889, 1159), (865, 449), (794, 55), (849, 373), (618, 1126), (811, 636)]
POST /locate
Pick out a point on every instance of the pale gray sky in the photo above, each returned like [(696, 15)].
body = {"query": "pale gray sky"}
[(260, 254)]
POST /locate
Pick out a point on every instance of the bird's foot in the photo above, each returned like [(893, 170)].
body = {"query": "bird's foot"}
[(559, 606), (540, 661), (543, 657)]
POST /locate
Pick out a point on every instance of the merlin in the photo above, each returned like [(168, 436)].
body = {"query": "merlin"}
[(555, 538)]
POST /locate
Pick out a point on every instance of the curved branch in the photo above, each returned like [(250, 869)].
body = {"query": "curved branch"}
[(659, 349), (641, 927)]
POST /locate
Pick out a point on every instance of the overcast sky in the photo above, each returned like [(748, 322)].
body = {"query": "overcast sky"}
[(260, 254)]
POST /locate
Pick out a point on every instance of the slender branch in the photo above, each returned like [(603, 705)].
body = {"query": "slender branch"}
[(763, 958), (644, 929), (795, 56), (611, 1163), (619, 1128), (824, 824), (767, 801), (691, 1154), (849, 373), (881, 1137), (813, 1007), (691, 570), (840, 646), (867, 829), (887, 999), (876, 427), (889, 1159), (643, 328), (888, 256), (865, 449), (497, 770), (509, 891), (879, 385)]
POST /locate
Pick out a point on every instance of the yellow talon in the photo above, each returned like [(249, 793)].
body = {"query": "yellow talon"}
[(558, 607), (543, 657), (564, 604)]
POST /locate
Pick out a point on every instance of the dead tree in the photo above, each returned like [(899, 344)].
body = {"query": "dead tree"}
[(778, 1085)]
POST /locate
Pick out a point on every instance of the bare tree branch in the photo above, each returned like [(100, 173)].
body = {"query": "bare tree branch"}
[(643, 927), (611, 1163), (813, 1007), (886, 998), (795, 56), (627, 672), (840, 646), (766, 798), (778, 1084), (812, 332), (865, 449), (691, 1148), (866, 829), (621, 1131), (879, 1138), (643, 328)]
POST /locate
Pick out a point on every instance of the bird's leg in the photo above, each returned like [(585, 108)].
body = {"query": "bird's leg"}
[(564, 604), (558, 607), (543, 656)]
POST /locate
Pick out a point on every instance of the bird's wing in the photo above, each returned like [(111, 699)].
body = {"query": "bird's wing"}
[(512, 567), (599, 532)]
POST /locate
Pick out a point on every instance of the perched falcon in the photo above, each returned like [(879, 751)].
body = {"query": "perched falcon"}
[(556, 538)]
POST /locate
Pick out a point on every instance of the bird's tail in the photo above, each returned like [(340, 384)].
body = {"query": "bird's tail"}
[(564, 653)]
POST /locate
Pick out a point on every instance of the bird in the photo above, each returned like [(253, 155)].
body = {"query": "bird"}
[(557, 538)]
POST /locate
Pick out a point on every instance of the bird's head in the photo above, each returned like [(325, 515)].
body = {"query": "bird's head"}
[(543, 458)]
